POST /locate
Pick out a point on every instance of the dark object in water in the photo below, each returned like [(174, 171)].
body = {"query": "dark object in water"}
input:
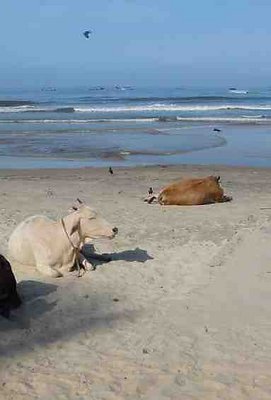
[(150, 191), (87, 34), (64, 110), (97, 88), (216, 130), (48, 89), (119, 87), (167, 119), (110, 170), (232, 88), (9, 297)]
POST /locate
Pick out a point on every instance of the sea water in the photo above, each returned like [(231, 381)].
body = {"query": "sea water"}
[(126, 126)]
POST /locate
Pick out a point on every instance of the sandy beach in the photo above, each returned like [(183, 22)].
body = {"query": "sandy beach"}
[(183, 311)]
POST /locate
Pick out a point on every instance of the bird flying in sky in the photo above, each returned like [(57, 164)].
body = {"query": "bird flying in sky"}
[(87, 34)]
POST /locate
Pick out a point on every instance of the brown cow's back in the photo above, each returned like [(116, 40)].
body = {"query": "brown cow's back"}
[(193, 192)]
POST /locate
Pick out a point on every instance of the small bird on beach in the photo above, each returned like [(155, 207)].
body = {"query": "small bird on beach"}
[(150, 191), (110, 170), (216, 130)]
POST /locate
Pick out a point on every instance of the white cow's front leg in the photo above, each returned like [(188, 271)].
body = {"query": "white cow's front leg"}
[(49, 271), (85, 263), (44, 264)]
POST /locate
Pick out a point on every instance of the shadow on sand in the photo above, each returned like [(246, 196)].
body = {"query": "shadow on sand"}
[(56, 313), (34, 305), (137, 254), (32, 290)]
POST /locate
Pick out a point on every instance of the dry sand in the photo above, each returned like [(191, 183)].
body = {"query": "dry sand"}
[(193, 284)]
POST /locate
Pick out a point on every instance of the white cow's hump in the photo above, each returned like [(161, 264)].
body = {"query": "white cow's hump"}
[(35, 218), (34, 221)]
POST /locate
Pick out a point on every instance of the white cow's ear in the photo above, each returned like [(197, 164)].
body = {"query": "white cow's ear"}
[(72, 209), (79, 201)]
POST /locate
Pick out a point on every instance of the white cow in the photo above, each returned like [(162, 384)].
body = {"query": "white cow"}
[(54, 246)]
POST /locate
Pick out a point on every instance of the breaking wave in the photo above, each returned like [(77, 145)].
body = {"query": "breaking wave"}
[(32, 108), (233, 120), (135, 108), (244, 120), (173, 107), (54, 110)]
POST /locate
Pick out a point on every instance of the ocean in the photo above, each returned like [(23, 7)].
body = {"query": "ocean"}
[(127, 126)]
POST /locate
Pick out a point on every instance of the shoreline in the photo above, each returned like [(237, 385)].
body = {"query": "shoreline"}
[(93, 170), (163, 144)]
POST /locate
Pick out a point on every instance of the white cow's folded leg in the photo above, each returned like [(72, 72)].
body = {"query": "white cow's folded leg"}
[(46, 270)]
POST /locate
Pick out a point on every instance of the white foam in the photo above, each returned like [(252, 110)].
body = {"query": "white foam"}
[(225, 119), (145, 108), (77, 121), (253, 116), (173, 107), (17, 109), (236, 91)]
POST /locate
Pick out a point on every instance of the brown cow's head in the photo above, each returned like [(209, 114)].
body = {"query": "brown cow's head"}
[(215, 178)]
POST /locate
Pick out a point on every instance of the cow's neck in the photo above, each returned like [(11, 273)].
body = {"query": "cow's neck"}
[(72, 224)]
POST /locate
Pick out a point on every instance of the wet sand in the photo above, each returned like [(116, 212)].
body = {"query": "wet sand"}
[(182, 312)]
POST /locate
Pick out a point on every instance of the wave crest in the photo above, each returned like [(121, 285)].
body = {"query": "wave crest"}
[(156, 107), (174, 107)]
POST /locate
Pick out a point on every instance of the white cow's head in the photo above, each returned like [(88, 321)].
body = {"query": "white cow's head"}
[(92, 225)]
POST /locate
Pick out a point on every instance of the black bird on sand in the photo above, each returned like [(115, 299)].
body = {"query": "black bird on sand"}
[(150, 191), (110, 170)]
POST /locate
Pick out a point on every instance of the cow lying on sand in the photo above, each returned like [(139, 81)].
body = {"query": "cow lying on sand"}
[(54, 246), (190, 192), (9, 297)]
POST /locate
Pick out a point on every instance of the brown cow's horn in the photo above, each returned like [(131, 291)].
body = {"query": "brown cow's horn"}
[(79, 201)]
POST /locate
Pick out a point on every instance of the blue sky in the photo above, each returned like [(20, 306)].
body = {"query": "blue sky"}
[(142, 42)]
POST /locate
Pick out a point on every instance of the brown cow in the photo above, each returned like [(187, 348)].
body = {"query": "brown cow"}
[(9, 297), (190, 192)]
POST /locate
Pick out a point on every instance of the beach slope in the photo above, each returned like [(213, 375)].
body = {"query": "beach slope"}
[(182, 312)]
